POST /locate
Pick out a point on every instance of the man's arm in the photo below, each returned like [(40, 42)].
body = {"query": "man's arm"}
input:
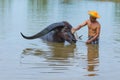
[(96, 36), (73, 30)]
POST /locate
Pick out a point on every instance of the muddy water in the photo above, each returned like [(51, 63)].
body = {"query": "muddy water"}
[(22, 59)]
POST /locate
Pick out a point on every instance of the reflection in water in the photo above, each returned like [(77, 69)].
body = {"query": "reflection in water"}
[(38, 14), (116, 26), (62, 52), (117, 12), (32, 15), (37, 8), (5, 15), (58, 51), (57, 59), (66, 1), (92, 57)]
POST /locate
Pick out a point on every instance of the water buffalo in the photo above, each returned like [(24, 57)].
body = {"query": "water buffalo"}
[(56, 32)]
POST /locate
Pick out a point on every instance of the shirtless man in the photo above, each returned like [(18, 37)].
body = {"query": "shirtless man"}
[(93, 28)]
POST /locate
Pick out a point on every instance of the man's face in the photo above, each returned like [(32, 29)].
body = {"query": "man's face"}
[(92, 19)]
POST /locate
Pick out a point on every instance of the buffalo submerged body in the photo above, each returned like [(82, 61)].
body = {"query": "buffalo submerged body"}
[(56, 32)]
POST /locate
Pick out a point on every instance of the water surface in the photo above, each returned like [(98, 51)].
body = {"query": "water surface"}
[(35, 59)]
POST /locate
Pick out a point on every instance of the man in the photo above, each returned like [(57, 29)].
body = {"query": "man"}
[(93, 28)]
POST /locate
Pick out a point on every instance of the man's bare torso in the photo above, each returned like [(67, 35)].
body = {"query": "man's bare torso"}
[(92, 27)]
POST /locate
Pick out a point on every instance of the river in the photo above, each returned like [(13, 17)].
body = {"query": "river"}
[(22, 59)]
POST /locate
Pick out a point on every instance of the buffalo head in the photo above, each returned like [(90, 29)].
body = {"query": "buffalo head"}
[(61, 32), (67, 35)]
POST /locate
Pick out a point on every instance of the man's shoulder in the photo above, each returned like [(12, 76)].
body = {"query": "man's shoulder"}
[(98, 23)]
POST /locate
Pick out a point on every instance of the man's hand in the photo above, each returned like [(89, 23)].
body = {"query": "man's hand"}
[(73, 30), (88, 41)]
